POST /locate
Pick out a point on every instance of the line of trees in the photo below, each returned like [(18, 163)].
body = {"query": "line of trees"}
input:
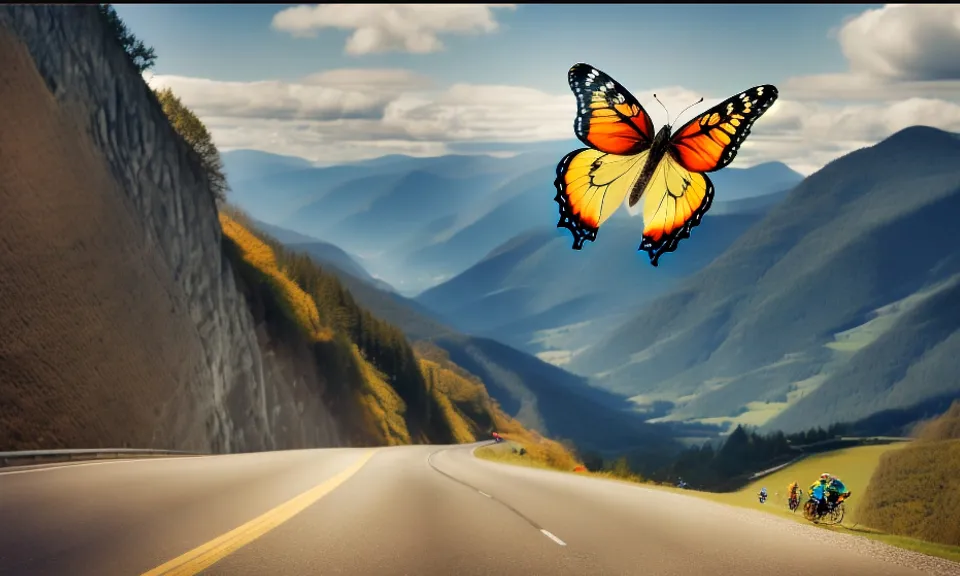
[(195, 133), (744, 452), (183, 120), (382, 344)]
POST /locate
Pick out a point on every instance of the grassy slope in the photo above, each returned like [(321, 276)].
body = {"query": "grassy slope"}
[(474, 414), (853, 465), (915, 492), (756, 325), (464, 404), (538, 453), (856, 467)]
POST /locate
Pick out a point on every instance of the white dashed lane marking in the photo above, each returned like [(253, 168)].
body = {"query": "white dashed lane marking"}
[(552, 537), (529, 520)]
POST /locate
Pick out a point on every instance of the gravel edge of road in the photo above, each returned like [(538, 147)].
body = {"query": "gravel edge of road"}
[(853, 542)]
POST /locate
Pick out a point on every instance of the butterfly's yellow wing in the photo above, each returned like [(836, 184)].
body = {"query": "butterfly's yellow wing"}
[(679, 193), (591, 185), (674, 201)]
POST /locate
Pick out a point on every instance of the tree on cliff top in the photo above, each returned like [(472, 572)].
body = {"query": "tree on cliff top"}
[(191, 129), (142, 56)]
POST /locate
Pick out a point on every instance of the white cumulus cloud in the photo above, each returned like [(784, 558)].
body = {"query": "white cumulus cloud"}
[(331, 95), (378, 28), (905, 42), (894, 52), (350, 114)]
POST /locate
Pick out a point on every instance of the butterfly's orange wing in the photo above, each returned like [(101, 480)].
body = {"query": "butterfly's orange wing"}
[(609, 118), (593, 182), (680, 193), (711, 140)]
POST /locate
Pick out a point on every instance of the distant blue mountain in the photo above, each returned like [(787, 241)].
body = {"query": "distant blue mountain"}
[(322, 252), (528, 204), (535, 281), (416, 222), (769, 178), (241, 165), (275, 197), (522, 208), (842, 303)]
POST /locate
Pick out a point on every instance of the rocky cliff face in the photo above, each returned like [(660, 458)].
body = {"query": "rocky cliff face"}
[(120, 320)]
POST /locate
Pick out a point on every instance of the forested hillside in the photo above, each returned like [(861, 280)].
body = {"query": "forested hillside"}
[(386, 391)]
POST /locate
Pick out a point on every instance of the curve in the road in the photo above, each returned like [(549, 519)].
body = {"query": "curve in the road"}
[(401, 514), (529, 520)]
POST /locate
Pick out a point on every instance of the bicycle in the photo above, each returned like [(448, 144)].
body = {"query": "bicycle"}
[(816, 511), (837, 510), (793, 502)]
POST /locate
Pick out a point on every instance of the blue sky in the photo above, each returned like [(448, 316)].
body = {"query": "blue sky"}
[(839, 60), (708, 47)]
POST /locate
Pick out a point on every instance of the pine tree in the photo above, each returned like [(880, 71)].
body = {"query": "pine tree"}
[(142, 56), (193, 131)]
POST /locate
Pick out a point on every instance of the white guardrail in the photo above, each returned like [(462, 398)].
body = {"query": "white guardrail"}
[(769, 471), (26, 457)]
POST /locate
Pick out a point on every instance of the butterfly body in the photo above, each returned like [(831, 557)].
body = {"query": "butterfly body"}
[(627, 162), (658, 149)]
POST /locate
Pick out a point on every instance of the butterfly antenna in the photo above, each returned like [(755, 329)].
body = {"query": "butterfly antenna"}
[(664, 108), (690, 106)]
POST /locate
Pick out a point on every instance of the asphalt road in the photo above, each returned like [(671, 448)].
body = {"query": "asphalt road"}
[(417, 510)]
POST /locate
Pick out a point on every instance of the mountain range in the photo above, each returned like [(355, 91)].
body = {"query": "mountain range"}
[(539, 395), (432, 227), (416, 222), (840, 303), (788, 306), (508, 296)]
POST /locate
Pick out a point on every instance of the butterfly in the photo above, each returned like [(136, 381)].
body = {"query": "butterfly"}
[(626, 160)]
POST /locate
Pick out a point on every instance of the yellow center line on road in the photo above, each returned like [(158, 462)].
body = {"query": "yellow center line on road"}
[(205, 555)]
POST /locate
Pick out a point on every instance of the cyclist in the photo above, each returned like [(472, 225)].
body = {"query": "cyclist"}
[(793, 494), (836, 488), (818, 491), (763, 495)]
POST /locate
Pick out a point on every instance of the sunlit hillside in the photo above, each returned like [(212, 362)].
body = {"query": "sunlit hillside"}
[(401, 395), (915, 492), (473, 414)]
